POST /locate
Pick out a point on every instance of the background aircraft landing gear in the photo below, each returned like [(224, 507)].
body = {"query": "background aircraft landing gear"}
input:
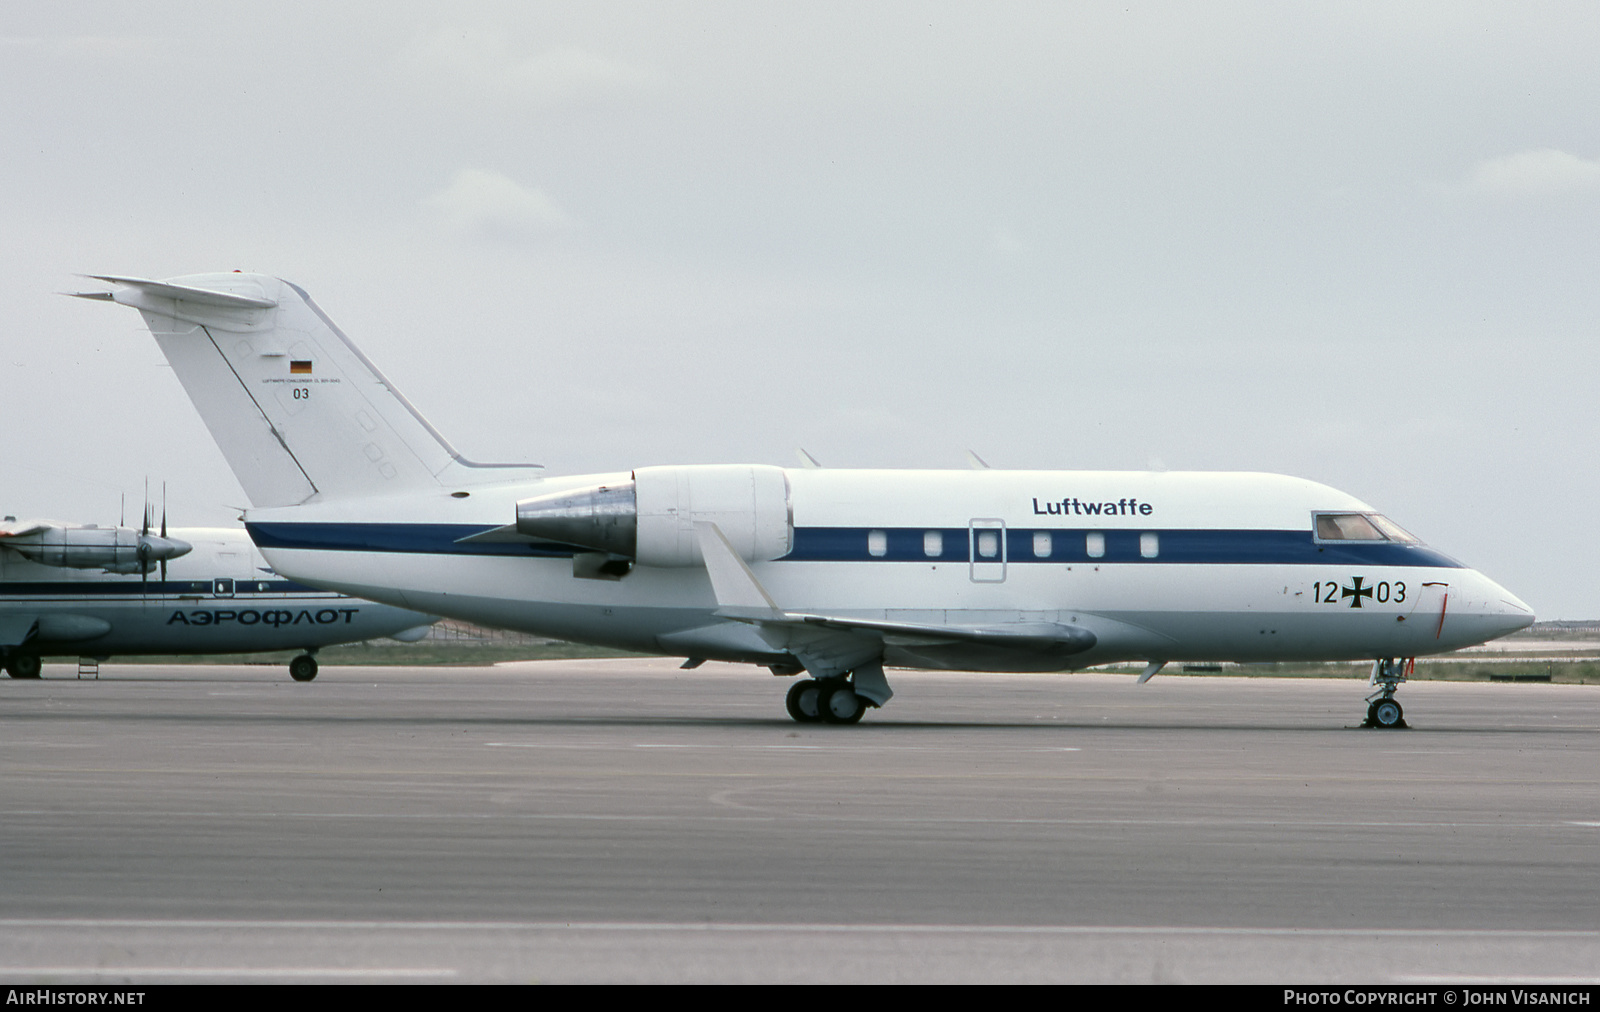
[(23, 665), (1383, 710), (303, 668)]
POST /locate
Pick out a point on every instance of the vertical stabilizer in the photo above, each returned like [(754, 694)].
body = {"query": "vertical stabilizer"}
[(295, 407)]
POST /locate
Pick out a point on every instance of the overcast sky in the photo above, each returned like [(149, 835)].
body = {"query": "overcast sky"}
[(1352, 242)]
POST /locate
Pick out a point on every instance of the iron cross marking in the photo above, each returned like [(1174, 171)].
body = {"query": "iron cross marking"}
[(1357, 592)]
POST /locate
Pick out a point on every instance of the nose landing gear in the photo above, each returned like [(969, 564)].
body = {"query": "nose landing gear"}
[(1388, 674)]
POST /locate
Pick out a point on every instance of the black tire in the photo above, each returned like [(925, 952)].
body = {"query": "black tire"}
[(303, 668), (839, 704), (802, 701), (24, 665), (1386, 713)]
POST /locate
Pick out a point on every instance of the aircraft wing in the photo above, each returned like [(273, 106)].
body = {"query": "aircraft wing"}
[(831, 645), (1024, 635), (20, 529)]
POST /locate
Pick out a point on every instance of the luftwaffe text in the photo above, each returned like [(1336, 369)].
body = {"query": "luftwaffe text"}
[(1080, 508)]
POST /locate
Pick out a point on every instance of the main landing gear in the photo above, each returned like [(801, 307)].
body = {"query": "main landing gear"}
[(1388, 674), (20, 665), (824, 700), (303, 668), (840, 700)]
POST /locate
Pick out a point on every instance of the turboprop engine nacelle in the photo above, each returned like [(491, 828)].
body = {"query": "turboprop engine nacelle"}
[(114, 549), (650, 518)]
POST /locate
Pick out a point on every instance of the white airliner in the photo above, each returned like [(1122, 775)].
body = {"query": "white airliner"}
[(835, 573), (85, 591)]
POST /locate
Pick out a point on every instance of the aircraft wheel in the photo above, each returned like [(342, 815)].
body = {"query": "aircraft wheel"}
[(24, 666), (802, 701), (839, 704), (303, 668), (1386, 713)]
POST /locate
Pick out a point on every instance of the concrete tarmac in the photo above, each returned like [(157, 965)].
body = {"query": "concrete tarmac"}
[(626, 821)]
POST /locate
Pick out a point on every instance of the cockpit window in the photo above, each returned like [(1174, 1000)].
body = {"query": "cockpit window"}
[(1360, 527), (1393, 531)]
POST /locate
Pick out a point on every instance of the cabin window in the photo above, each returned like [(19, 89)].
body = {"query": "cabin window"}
[(1096, 544), (1149, 545), (989, 544), (1360, 527), (933, 544), (877, 544), (1041, 544)]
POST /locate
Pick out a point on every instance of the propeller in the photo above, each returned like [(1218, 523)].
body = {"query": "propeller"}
[(144, 540), (163, 529), (155, 550)]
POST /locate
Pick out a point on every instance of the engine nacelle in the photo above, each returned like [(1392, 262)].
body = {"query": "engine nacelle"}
[(750, 503), (651, 518), (114, 549)]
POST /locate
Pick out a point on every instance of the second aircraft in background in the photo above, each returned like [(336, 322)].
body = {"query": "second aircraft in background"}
[(80, 590)]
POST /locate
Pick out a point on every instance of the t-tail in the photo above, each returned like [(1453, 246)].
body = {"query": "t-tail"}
[(298, 411)]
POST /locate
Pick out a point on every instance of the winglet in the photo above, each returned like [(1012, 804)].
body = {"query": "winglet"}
[(732, 581)]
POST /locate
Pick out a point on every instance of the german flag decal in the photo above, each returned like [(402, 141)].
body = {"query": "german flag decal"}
[(300, 367)]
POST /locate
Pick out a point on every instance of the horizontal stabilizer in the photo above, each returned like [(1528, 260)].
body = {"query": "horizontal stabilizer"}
[(181, 293)]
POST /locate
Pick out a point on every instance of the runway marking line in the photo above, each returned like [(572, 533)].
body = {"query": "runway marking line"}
[(285, 972), (820, 927), (1203, 823)]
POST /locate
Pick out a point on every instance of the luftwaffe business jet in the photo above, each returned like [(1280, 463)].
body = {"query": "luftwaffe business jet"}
[(831, 573)]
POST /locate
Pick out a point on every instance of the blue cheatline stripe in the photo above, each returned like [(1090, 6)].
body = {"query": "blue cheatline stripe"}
[(431, 539), (154, 588), (903, 544), (1182, 547)]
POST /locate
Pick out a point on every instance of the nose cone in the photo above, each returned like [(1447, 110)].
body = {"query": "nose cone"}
[(1498, 612)]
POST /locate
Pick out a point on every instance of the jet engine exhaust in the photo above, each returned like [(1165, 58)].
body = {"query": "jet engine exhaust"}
[(604, 518)]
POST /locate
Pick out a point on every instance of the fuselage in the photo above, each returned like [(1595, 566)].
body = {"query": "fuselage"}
[(221, 597), (1164, 566)]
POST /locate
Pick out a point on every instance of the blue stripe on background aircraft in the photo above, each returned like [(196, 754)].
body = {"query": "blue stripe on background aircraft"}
[(833, 573), (85, 591)]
